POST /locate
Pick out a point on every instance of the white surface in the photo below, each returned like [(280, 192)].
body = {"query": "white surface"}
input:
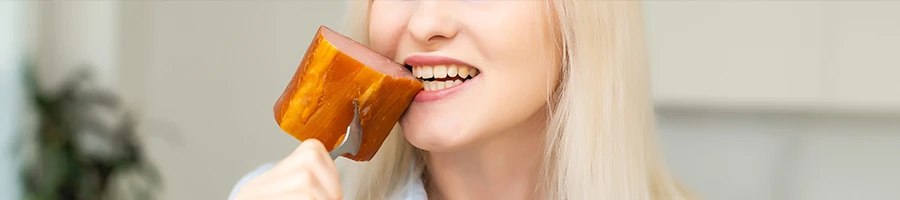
[(737, 53), (74, 33), (779, 55), (11, 90), (843, 158), (865, 60), (754, 156)]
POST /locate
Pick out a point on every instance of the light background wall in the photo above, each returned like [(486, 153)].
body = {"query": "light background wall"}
[(206, 75), (745, 113)]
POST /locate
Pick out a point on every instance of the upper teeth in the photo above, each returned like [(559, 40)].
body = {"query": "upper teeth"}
[(444, 71)]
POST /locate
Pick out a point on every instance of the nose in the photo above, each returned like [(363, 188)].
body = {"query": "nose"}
[(432, 23)]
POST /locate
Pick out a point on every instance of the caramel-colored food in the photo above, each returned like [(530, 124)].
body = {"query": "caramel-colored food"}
[(317, 103)]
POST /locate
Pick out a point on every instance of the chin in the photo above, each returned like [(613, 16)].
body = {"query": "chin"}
[(435, 133)]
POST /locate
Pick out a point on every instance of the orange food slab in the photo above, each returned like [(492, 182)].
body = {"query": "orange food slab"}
[(317, 103)]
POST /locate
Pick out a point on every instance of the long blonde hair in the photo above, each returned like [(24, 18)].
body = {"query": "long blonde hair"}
[(601, 131)]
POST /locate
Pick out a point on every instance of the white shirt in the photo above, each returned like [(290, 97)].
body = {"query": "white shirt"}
[(415, 192)]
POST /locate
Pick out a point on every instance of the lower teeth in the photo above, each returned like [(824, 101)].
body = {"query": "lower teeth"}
[(439, 85)]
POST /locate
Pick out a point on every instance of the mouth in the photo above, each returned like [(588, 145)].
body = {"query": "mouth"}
[(441, 76), (440, 73)]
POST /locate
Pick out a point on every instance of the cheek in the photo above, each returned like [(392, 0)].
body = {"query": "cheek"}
[(527, 68), (519, 81), (520, 51), (387, 23)]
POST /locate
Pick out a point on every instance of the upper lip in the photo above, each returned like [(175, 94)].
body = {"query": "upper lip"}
[(430, 60)]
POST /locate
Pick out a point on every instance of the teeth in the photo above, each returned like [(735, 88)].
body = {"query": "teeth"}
[(463, 71), (427, 72), (439, 85), (452, 70), (444, 71), (440, 71)]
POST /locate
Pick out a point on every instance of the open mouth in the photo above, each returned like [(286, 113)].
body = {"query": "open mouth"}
[(439, 77)]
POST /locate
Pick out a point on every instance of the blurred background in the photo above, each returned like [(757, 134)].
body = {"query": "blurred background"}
[(780, 100)]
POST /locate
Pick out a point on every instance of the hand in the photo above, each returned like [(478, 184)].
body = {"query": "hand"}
[(308, 173)]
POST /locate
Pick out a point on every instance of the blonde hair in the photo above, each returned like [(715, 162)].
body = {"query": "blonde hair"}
[(601, 131)]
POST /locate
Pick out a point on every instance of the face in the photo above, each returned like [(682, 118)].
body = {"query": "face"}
[(486, 65)]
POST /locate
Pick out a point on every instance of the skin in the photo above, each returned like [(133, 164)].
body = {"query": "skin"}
[(484, 142), (307, 173)]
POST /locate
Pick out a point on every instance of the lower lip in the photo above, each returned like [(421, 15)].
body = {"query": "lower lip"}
[(437, 95)]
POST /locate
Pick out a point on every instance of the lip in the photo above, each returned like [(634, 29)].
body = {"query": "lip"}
[(437, 95), (431, 96), (426, 60)]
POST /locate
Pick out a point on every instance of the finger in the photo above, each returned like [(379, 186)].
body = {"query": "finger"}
[(301, 181), (289, 196), (311, 156), (312, 186), (314, 145), (293, 196), (324, 169), (296, 158)]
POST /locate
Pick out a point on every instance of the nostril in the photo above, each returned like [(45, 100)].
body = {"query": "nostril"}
[(436, 38)]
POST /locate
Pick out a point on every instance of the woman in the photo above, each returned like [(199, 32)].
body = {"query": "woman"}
[(556, 105)]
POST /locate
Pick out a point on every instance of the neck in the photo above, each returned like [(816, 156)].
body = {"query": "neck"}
[(504, 167)]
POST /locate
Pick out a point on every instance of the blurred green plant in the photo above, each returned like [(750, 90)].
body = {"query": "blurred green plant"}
[(83, 145)]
